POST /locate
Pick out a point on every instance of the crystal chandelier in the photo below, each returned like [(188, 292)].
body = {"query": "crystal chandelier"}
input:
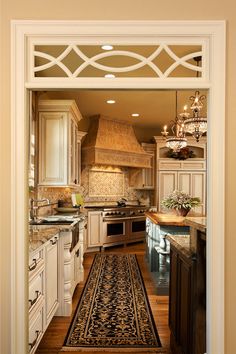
[(177, 141), (196, 125)]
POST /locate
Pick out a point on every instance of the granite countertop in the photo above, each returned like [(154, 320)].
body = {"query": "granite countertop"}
[(39, 235), (165, 219), (197, 222), (181, 243)]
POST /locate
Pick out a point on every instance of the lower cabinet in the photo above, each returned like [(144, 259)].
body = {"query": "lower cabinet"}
[(55, 268), (51, 279), (181, 303), (35, 330), (36, 299), (43, 290), (94, 231)]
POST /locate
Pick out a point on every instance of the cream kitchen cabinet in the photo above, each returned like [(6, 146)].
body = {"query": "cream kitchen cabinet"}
[(51, 279), (144, 178), (186, 175), (59, 143), (36, 298), (43, 290), (94, 229), (148, 174), (189, 182)]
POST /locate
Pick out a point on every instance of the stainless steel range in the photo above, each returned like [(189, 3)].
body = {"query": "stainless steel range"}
[(123, 224)]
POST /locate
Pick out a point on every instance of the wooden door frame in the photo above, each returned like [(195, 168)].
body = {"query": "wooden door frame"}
[(22, 32)]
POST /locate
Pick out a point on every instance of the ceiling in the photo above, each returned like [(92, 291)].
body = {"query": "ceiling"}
[(155, 108)]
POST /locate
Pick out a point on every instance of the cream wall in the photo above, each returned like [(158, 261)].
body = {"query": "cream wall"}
[(118, 10)]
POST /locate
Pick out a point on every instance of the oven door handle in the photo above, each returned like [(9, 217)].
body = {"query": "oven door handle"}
[(142, 217), (116, 219)]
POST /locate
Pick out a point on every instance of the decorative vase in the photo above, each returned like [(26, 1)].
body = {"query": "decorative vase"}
[(182, 211)]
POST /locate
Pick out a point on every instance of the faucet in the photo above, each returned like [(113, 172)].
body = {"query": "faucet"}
[(34, 208)]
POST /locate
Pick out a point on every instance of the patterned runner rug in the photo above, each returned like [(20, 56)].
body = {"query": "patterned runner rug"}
[(113, 311)]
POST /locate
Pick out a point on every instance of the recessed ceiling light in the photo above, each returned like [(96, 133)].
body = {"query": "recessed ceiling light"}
[(111, 101), (135, 114), (109, 76), (107, 47)]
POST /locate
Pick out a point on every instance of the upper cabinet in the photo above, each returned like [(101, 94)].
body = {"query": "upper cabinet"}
[(184, 173), (144, 178), (59, 143)]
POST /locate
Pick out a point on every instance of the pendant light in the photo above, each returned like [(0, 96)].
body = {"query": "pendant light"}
[(177, 141), (196, 125)]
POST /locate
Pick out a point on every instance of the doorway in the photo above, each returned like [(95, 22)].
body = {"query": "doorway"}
[(211, 35)]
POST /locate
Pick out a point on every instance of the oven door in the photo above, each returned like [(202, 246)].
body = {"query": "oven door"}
[(115, 230), (137, 227)]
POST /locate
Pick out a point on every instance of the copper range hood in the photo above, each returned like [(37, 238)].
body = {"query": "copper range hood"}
[(112, 142)]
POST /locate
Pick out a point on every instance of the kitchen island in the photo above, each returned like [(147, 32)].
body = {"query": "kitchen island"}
[(187, 297), (158, 226)]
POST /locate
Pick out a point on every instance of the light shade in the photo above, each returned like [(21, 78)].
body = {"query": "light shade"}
[(176, 143), (196, 126)]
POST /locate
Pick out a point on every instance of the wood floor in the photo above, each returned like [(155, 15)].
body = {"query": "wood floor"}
[(53, 338)]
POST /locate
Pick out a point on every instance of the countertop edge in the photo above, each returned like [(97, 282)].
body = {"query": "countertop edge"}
[(156, 221), (181, 244), (198, 223)]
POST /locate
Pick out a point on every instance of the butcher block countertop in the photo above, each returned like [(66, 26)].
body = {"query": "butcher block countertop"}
[(166, 219)]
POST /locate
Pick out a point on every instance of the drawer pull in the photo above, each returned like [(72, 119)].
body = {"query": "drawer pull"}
[(33, 265), (31, 345), (32, 302), (53, 242), (77, 253)]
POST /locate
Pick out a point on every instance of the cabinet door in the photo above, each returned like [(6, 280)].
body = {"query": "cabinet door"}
[(185, 182), (167, 184), (194, 184), (52, 148), (94, 228), (184, 321), (72, 153), (148, 173), (51, 279)]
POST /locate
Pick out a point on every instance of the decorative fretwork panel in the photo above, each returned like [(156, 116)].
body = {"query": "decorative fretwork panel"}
[(161, 61)]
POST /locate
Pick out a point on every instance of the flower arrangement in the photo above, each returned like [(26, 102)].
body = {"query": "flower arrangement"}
[(181, 202), (182, 154)]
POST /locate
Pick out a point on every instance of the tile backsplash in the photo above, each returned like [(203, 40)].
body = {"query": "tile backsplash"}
[(98, 184)]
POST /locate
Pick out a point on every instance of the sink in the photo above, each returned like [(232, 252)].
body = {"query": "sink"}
[(51, 222)]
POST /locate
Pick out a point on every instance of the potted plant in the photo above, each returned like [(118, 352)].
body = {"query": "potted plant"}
[(180, 202)]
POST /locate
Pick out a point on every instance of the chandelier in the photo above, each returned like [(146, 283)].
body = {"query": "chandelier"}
[(183, 124), (196, 125), (177, 141)]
